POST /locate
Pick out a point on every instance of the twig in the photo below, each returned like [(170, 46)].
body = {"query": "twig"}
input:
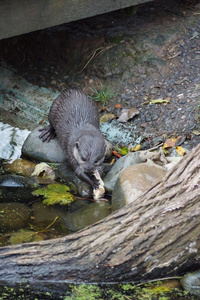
[(95, 54)]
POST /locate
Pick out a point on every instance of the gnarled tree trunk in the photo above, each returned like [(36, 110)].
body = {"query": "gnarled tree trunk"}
[(157, 235)]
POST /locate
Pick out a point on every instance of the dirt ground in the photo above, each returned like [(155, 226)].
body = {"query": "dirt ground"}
[(143, 54)]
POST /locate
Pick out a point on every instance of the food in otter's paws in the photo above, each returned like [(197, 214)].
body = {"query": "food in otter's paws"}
[(74, 119), (98, 193)]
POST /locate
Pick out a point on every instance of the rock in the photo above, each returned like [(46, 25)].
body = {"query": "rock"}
[(87, 215), (33, 148), (109, 147), (133, 181), (25, 100), (20, 166), (12, 181), (15, 188), (191, 282), (13, 216), (118, 133), (132, 158)]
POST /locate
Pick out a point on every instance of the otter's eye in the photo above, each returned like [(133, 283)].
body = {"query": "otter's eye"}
[(77, 145)]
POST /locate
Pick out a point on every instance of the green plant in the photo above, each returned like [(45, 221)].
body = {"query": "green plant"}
[(196, 88), (102, 94)]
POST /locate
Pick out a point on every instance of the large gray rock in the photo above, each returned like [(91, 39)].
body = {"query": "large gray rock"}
[(133, 181), (124, 162), (34, 148)]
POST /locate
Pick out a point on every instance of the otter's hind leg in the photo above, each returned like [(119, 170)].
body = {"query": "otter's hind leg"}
[(47, 133)]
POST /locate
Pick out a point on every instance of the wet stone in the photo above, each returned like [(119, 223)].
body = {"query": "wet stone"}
[(87, 215), (133, 181)]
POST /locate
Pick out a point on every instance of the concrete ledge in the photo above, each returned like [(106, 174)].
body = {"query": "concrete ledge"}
[(23, 16)]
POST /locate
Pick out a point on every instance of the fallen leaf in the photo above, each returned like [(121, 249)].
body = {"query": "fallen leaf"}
[(41, 168), (118, 105), (171, 142), (181, 151), (127, 113), (44, 173), (40, 123), (124, 151), (106, 118), (180, 140), (159, 101), (112, 161), (196, 132), (55, 193), (137, 147)]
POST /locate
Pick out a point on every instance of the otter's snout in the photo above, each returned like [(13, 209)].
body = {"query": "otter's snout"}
[(88, 168)]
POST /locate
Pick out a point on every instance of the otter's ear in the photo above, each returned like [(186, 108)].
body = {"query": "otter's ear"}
[(77, 145)]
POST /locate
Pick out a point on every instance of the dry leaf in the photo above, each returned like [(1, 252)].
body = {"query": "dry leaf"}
[(181, 151), (127, 113), (171, 142), (118, 105), (44, 173), (107, 117), (159, 101), (196, 132), (42, 168), (180, 140)]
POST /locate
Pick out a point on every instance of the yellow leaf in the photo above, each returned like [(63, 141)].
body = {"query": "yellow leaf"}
[(107, 117), (137, 147), (158, 101), (181, 151)]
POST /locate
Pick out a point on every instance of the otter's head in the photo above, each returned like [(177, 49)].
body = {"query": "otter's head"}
[(89, 152)]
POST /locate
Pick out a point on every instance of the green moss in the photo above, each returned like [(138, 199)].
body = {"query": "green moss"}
[(85, 292)]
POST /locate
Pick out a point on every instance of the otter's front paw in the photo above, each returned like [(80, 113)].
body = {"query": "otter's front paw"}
[(47, 133)]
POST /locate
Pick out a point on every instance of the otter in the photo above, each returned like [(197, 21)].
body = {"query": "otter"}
[(74, 119)]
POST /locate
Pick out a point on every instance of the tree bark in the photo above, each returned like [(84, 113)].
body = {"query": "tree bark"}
[(156, 236)]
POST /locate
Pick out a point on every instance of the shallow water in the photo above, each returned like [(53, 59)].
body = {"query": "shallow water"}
[(11, 141)]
